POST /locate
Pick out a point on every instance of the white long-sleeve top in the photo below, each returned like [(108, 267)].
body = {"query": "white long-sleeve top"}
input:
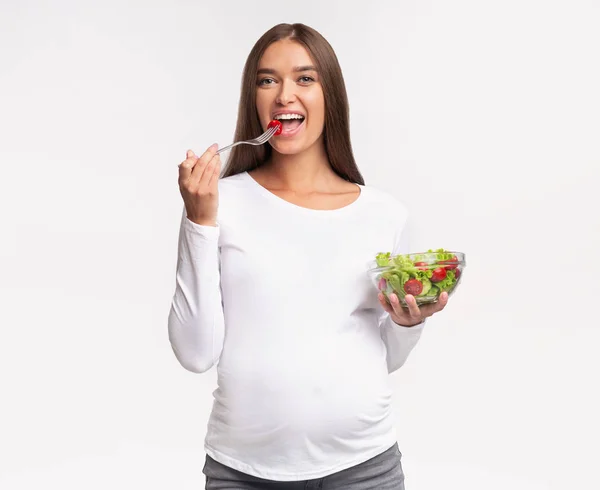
[(278, 297)]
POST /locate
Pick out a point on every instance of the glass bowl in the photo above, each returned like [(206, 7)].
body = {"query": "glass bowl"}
[(425, 275)]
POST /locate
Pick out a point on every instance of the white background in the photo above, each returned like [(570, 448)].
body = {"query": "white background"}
[(483, 117)]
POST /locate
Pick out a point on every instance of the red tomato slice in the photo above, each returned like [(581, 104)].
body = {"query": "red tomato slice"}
[(422, 266), (413, 286), (450, 264)]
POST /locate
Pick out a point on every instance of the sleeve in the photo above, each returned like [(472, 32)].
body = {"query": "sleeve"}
[(196, 324), (399, 341)]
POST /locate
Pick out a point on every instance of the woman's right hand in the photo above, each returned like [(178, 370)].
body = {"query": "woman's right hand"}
[(199, 185)]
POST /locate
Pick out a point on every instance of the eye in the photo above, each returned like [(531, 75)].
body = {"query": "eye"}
[(306, 79), (264, 80)]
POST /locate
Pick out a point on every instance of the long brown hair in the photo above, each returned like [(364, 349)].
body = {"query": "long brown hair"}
[(336, 132)]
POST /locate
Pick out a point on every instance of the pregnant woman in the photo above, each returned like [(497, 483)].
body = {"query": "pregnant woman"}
[(272, 289)]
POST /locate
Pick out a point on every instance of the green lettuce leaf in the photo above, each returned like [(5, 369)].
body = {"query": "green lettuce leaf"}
[(447, 283), (383, 259), (441, 254)]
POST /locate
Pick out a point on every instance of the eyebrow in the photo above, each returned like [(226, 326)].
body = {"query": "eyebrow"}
[(271, 71)]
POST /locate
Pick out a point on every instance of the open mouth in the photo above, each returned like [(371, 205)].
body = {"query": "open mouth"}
[(290, 123)]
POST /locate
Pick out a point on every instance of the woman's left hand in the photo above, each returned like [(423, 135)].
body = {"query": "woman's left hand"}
[(413, 314)]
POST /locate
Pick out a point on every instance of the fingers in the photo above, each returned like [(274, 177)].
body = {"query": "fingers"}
[(185, 167), (413, 308), (412, 314), (209, 171), (386, 306), (214, 180), (441, 303), (202, 163), (399, 314)]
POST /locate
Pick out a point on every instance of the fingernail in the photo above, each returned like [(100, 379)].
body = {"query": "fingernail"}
[(214, 146)]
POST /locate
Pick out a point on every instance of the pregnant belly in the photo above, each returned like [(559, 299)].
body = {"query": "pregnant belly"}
[(342, 394)]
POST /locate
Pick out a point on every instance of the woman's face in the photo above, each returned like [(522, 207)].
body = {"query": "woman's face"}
[(287, 82)]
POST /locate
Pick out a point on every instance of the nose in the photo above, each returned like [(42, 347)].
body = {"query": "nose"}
[(286, 93)]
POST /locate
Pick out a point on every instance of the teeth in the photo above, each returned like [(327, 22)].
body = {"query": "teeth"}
[(289, 116)]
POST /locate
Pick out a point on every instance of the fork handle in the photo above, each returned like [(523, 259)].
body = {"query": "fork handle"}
[(230, 146)]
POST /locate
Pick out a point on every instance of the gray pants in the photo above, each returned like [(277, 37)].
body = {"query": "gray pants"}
[(383, 472)]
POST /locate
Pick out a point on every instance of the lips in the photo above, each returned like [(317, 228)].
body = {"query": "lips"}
[(297, 123)]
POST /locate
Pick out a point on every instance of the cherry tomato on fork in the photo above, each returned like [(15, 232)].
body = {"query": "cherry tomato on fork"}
[(275, 123)]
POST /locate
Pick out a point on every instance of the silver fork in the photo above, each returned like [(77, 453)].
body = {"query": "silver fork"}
[(262, 139)]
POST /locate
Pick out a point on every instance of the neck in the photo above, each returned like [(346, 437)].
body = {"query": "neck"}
[(302, 172)]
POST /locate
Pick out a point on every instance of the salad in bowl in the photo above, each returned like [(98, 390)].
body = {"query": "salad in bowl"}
[(424, 275)]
